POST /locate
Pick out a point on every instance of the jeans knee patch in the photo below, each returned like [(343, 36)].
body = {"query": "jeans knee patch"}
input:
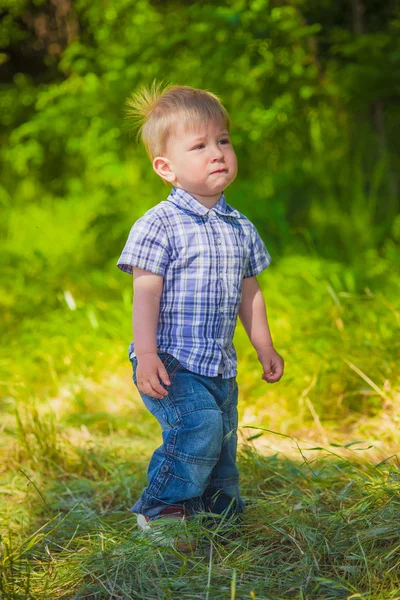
[(199, 441), (178, 481)]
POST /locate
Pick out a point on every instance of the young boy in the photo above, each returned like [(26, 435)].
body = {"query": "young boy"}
[(194, 260)]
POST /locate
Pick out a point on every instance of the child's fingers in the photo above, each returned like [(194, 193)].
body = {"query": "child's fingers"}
[(275, 376), (152, 387), (148, 378), (147, 388), (157, 387), (272, 378), (163, 375)]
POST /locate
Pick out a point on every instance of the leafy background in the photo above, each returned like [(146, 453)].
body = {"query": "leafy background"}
[(312, 90)]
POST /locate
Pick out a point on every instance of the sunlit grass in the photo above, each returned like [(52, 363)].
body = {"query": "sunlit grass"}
[(318, 450), (325, 527)]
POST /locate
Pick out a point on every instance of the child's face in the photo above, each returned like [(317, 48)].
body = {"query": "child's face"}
[(201, 160)]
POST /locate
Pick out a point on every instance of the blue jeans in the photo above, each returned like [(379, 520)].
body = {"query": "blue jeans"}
[(195, 466)]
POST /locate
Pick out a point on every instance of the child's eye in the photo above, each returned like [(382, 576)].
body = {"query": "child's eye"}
[(224, 141), (199, 147)]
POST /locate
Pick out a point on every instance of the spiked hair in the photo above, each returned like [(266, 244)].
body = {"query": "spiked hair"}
[(154, 111)]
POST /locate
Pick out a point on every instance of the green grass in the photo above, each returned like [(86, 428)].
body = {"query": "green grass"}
[(323, 528), (318, 462)]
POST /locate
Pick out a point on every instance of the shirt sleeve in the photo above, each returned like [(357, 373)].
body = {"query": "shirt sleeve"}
[(147, 247), (259, 256)]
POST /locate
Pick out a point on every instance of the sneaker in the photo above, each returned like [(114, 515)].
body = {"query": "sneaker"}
[(163, 528)]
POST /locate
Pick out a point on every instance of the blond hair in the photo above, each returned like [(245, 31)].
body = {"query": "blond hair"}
[(154, 111)]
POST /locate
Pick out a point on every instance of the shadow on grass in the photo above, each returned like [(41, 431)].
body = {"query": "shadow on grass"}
[(325, 527)]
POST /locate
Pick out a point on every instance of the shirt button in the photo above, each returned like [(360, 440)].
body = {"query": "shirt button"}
[(164, 468)]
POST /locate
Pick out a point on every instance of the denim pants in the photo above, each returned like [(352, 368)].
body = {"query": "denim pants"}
[(195, 466)]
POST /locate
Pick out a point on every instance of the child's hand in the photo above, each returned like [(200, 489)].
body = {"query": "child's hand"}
[(150, 370), (272, 363)]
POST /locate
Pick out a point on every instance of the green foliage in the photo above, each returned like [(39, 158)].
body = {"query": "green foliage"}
[(312, 112)]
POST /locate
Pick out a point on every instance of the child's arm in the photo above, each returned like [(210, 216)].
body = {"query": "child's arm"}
[(148, 288), (253, 315)]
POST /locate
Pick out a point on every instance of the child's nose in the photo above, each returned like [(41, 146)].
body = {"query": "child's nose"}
[(217, 153)]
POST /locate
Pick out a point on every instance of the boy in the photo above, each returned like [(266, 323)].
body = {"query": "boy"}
[(194, 259)]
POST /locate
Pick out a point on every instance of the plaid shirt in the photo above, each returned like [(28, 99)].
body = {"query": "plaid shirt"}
[(203, 255)]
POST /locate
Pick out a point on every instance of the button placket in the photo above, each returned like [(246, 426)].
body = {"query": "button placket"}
[(220, 277)]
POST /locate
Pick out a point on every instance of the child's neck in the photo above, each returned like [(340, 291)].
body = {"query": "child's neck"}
[(208, 201)]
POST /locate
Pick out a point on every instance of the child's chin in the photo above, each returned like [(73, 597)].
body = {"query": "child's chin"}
[(219, 185)]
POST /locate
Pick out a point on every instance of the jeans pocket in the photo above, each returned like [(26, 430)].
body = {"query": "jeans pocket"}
[(170, 363)]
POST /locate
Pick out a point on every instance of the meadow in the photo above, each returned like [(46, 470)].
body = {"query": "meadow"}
[(312, 91), (318, 451)]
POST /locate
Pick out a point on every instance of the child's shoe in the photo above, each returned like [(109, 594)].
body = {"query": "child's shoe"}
[(165, 528)]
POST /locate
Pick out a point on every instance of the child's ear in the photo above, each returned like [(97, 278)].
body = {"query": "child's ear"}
[(162, 167)]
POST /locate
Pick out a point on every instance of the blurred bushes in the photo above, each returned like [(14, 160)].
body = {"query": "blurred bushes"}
[(310, 87)]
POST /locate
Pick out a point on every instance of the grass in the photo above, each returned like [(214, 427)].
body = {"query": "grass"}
[(321, 528), (320, 473)]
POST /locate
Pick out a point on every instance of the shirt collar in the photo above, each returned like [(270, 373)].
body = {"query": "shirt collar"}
[(184, 200)]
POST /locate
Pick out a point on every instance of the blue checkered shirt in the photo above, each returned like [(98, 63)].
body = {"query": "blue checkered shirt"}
[(203, 256)]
